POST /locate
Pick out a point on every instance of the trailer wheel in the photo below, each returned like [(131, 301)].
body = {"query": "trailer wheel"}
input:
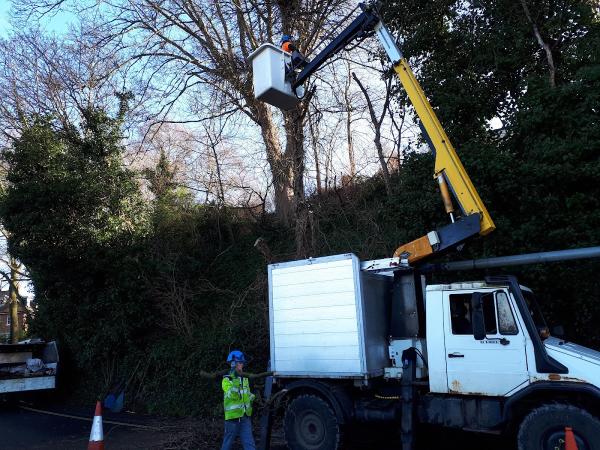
[(544, 428), (311, 424)]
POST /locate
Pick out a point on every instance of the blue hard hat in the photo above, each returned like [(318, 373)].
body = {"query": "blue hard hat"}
[(236, 356), (285, 38)]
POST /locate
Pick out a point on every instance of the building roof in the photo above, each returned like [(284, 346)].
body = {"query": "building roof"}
[(5, 305)]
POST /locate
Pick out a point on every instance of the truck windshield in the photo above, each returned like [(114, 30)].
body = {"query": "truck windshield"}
[(534, 309)]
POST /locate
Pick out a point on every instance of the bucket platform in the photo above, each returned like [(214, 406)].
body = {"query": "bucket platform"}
[(268, 76)]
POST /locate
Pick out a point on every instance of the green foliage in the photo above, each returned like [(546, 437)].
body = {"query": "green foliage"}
[(539, 173), (474, 59), (137, 292), (77, 221)]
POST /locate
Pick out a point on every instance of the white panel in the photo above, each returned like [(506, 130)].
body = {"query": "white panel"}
[(320, 366), (327, 273), (315, 326), (311, 266), (268, 76), (316, 339), (483, 360), (310, 288), (324, 352), (314, 317), (314, 301), (310, 314), (27, 384), (436, 350)]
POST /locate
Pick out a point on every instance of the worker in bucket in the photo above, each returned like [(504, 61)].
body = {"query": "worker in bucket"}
[(237, 403), (298, 60)]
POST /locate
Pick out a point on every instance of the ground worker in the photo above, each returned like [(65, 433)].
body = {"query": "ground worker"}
[(237, 403), (298, 60)]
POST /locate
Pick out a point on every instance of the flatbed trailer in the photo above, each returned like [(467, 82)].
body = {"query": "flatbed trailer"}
[(27, 366)]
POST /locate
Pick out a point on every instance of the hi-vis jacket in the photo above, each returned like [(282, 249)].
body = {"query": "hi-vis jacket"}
[(237, 399)]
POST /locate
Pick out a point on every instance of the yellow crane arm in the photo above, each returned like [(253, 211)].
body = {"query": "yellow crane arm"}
[(448, 168), (449, 171)]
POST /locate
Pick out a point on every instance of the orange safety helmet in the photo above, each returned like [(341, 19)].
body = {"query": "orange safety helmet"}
[(286, 44), (287, 47)]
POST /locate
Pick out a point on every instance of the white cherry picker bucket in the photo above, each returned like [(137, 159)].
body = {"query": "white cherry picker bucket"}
[(268, 76)]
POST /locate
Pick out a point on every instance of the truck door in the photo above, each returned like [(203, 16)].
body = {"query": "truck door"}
[(495, 365)]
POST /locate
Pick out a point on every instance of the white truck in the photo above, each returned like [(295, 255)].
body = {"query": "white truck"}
[(28, 366), (362, 341)]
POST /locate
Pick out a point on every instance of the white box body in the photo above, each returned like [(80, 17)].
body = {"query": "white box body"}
[(327, 319), (268, 76)]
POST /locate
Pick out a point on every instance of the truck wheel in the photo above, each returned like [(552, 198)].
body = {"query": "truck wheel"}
[(311, 424), (544, 428)]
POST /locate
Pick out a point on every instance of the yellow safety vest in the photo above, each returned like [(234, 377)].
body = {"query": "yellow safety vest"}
[(237, 398)]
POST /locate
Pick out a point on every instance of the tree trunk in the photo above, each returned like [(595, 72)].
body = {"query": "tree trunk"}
[(314, 140), (279, 163), (383, 163), (348, 107), (350, 144), (377, 122), (543, 44), (14, 302), (294, 152)]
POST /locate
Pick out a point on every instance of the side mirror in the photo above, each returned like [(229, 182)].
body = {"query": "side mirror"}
[(558, 331), (477, 316)]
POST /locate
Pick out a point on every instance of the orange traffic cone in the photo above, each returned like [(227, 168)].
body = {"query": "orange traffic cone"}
[(97, 436), (570, 443)]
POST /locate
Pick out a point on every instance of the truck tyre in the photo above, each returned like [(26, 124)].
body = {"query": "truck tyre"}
[(311, 424), (544, 428)]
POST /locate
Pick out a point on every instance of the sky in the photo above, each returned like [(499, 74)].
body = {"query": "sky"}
[(4, 8), (57, 23)]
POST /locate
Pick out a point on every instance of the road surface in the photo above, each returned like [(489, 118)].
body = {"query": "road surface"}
[(54, 428), (28, 428)]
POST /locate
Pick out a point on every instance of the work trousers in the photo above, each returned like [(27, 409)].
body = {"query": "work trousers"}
[(241, 427)]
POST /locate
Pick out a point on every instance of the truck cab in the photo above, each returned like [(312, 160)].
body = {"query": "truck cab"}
[(513, 351)]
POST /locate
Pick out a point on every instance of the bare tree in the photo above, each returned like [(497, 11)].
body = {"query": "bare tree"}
[(195, 53), (377, 122), (193, 44), (51, 76), (13, 298), (348, 104), (13, 273), (313, 127), (397, 129), (545, 46), (187, 46)]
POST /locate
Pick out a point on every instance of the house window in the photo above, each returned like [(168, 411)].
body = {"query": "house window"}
[(8, 320)]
